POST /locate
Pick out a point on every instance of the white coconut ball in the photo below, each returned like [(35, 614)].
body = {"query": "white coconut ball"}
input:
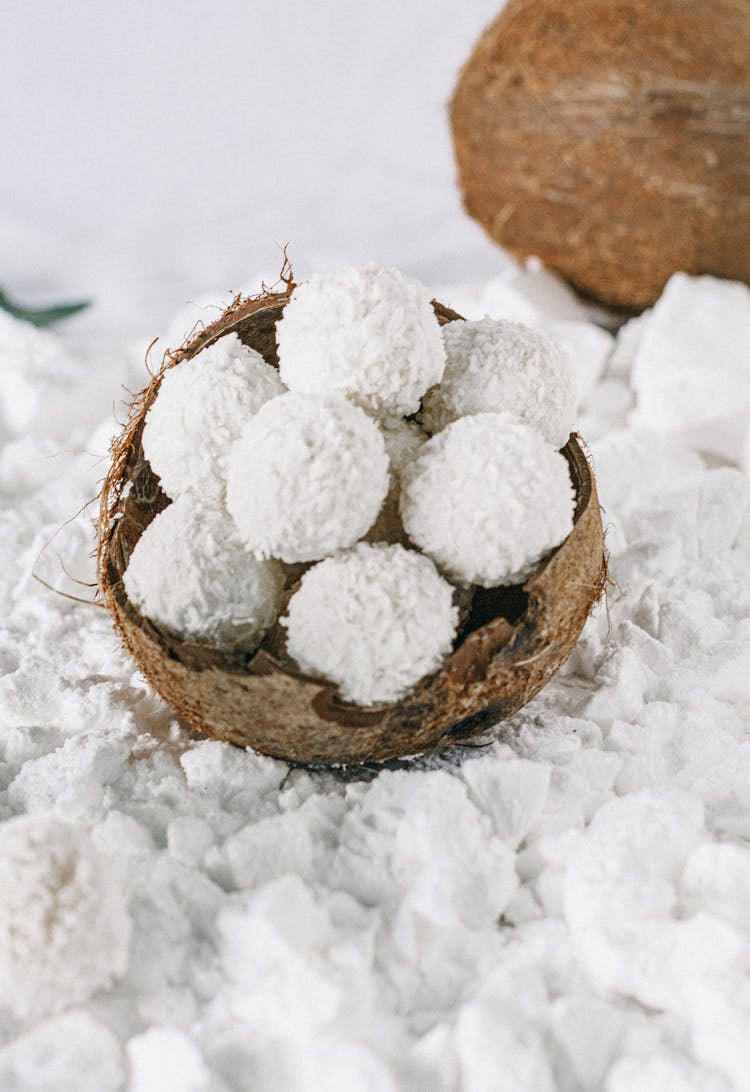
[(191, 574), (494, 365), (64, 924), (486, 499), (368, 333), (200, 410), (307, 477), (374, 620), (403, 440)]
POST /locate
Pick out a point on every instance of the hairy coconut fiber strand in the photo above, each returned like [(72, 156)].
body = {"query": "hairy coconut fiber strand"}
[(510, 645), (612, 140)]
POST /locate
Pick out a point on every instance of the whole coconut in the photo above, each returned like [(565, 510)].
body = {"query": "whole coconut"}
[(612, 140)]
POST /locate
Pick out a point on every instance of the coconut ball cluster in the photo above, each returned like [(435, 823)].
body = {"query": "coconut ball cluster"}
[(64, 924), (366, 487)]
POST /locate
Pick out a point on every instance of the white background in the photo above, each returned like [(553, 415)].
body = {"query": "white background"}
[(156, 151)]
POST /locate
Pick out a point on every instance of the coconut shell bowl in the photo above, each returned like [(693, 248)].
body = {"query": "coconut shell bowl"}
[(511, 642)]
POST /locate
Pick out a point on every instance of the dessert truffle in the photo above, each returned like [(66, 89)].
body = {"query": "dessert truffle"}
[(200, 410), (374, 619), (486, 499), (365, 332), (191, 574), (307, 477)]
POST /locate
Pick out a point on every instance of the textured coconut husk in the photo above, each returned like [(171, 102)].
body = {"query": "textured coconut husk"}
[(612, 140), (510, 645)]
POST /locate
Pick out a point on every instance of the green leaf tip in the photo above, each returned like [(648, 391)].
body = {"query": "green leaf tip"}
[(41, 316)]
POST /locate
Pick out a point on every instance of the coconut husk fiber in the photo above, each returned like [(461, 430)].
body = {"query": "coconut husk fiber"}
[(612, 140), (512, 640)]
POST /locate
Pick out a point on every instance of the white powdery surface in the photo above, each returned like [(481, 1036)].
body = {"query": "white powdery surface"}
[(565, 909), (64, 926)]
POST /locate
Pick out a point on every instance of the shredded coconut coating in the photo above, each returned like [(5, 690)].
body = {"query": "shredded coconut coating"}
[(64, 925), (403, 440), (365, 332), (191, 574), (199, 412), (374, 620), (486, 499), (307, 477), (494, 366)]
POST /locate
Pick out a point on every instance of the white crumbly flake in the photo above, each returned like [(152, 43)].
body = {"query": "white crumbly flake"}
[(652, 835), (365, 332), (374, 620), (64, 924), (495, 366), (164, 1059), (486, 499), (191, 574), (587, 347), (690, 366), (403, 440), (68, 1053), (37, 374), (307, 477), (664, 1071), (200, 410)]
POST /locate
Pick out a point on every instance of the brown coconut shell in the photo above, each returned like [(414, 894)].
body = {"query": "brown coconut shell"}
[(511, 643), (612, 140)]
